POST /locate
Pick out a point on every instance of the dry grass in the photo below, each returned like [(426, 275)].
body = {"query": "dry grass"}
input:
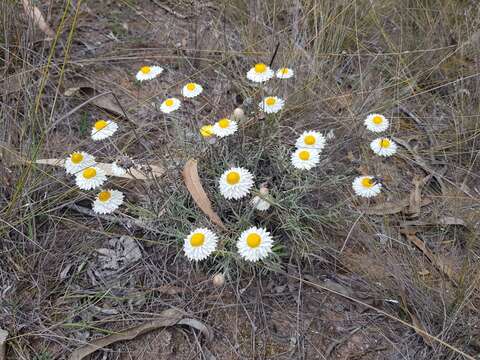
[(415, 61)]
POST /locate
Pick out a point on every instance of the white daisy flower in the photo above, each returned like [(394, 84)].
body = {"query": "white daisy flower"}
[(107, 201), (103, 129), (383, 147), (148, 72), (255, 244), (191, 90), (200, 244), (260, 73), (366, 186), (77, 161), (376, 123), (305, 159), (311, 140), (117, 170), (225, 127), (235, 183), (170, 105), (90, 178), (284, 73), (271, 104)]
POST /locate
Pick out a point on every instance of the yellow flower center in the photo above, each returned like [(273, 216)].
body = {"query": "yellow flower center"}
[(89, 173), (224, 123), (260, 68), (145, 69), (76, 158), (385, 143), (284, 71), (233, 177), (100, 124), (254, 240), (197, 239), (304, 155), (169, 102), (206, 130), (309, 140), (104, 195), (377, 120), (270, 101), (191, 86), (367, 182)]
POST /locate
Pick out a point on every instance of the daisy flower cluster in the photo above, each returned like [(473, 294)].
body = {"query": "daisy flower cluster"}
[(369, 186), (255, 243), (90, 176), (308, 148)]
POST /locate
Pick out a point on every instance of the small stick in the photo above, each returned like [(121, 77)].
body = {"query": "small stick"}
[(274, 54)]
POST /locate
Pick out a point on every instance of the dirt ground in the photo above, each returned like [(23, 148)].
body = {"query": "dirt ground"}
[(392, 278)]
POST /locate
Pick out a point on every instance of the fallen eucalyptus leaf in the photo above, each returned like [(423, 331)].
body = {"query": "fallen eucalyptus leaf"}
[(393, 207), (38, 19), (415, 203), (440, 262), (169, 317), (106, 101), (194, 186)]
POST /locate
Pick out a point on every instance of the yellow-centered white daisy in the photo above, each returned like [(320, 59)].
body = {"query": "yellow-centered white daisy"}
[(77, 161), (366, 186), (260, 73), (255, 244), (90, 178), (117, 170), (305, 159), (103, 129), (148, 73), (284, 73), (311, 140), (207, 131), (107, 201), (224, 127), (271, 104), (383, 146), (199, 244), (235, 183), (191, 90), (376, 123), (169, 105)]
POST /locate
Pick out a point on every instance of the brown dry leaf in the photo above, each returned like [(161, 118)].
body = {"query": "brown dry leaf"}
[(3, 342), (416, 195), (133, 173), (38, 19), (415, 321), (441, 263), (194, 186), (169, 317), (106, 101), (393, 207)]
